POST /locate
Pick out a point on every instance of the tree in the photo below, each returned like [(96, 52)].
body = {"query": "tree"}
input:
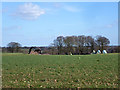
[(13, 47), (90, 42), (69, 42), (59, 42), (102, 42), (81, 43)]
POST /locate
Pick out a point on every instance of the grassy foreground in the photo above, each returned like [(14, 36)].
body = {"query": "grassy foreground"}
[(63, 71)]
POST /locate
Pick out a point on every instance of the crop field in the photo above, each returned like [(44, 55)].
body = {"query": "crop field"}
[(59, 71)]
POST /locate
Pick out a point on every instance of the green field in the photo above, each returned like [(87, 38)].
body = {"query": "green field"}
[(59, 71)]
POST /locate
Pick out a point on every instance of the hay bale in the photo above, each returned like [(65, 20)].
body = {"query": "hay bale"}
[(93, 52), (98, 52), (104, 52), (35, 53)]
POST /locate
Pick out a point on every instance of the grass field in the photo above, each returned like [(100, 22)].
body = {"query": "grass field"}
[(63, 71)]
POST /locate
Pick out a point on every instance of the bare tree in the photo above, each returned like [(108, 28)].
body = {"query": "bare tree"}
[(102, 42), (90, 42), (81, 43), (59, 42), (69, 42)]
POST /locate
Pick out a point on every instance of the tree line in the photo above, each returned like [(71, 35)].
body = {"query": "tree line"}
[(69, 45), (80, 44)]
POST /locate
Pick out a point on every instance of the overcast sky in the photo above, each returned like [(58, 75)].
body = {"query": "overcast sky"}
[(38, 24)]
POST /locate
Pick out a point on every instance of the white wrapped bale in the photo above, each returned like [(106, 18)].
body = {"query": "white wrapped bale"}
[(104, 52), (93, 52), (98, 52)]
